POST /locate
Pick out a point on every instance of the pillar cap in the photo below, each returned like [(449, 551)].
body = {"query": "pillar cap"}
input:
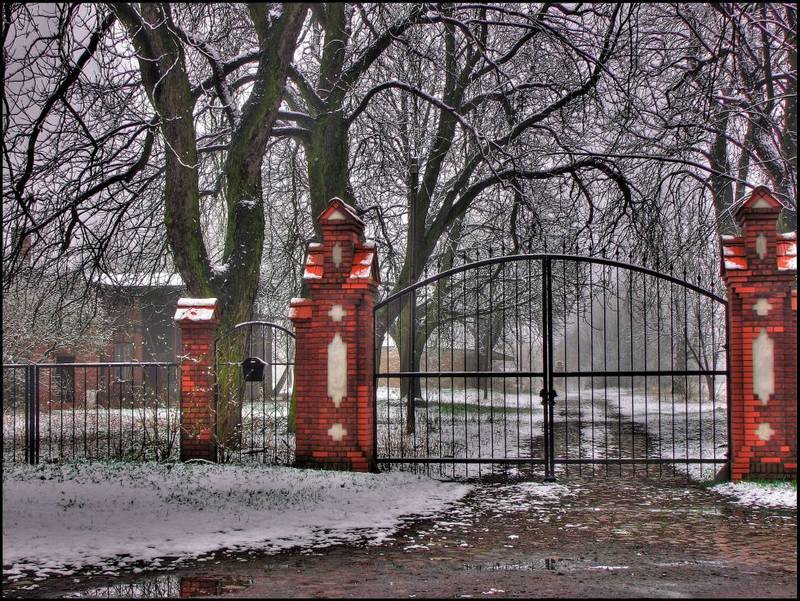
[(339, 211), (197, 309), (761, 203)]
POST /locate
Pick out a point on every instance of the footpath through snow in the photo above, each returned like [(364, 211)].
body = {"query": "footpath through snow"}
[(60, 518)]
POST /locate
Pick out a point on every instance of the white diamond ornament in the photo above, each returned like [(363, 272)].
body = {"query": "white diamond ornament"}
[(764, 431), (337, 312), (762, 307), (337, 432)]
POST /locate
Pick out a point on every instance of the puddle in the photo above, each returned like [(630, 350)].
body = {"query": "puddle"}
[(164, 587), (547, 563)]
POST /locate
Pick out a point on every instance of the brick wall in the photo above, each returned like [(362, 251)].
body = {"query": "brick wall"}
[(760, 272), (334, 350)]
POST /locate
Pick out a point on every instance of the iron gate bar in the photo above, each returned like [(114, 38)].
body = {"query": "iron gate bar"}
[(642, 373), (456, 374), (461, 460), (525, 460)]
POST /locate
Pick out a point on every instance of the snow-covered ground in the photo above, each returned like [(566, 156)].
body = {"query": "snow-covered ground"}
[(591, 424), (777, 494), (59, 518)]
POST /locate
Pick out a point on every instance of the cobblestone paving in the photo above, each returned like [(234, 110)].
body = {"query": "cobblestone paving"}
[(602, 537)]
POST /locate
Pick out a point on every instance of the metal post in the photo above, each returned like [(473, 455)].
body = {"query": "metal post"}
[(32, 414), (546, 326), (549, 371)]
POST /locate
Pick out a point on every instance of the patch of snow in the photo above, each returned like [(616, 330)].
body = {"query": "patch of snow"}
[(194, 314), (108, 515), (197, 302), (755, 493), (361, 271), (140, 280)]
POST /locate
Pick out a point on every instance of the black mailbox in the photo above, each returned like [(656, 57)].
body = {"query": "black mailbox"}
[(253, 369)]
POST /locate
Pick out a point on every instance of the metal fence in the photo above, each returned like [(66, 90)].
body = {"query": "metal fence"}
[(54, 412)]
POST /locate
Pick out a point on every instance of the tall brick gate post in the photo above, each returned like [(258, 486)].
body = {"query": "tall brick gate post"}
[(334, 348), (197, 319), (760, 271)]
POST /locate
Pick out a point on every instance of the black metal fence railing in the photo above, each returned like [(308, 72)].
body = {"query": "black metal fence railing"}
[(58, 412)]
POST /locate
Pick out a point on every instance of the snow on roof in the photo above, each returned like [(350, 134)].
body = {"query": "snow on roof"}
[(195, 309), (197, 302), (735, 263), (158, 279), (332, 213)]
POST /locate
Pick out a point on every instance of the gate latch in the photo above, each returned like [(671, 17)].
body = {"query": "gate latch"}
[(551, 394)]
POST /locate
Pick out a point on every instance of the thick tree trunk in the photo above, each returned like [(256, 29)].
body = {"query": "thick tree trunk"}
[(162, 64)]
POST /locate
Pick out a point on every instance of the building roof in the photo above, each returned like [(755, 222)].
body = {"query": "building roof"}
[(158, 279)]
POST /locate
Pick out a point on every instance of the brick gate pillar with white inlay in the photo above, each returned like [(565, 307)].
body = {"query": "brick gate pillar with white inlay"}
[(334, 354), (198, 319), (760, 272)]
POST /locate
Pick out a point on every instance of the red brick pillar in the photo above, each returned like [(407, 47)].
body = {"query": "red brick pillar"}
[(334, 357), (197, 319), (760, 271)]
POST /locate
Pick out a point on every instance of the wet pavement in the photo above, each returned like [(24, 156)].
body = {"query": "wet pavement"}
[(588, 537)]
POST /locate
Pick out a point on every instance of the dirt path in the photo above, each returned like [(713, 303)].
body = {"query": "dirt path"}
[(602, 537)]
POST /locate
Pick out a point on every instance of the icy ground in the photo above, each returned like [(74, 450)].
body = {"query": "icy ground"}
[(779, 494), (61, 518)]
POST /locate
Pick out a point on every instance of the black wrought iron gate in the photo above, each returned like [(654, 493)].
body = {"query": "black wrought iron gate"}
[(545, 364), (254, 371)]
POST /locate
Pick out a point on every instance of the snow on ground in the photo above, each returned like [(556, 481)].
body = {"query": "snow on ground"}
[(59, 518), (778, 494)]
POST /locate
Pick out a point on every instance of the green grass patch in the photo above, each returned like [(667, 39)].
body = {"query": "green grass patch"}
[(773, 483)]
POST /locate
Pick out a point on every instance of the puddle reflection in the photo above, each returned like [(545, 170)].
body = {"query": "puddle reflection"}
[(164, 587)]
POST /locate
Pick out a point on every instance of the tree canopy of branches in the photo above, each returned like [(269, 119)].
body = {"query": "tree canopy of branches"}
[(206, 138)]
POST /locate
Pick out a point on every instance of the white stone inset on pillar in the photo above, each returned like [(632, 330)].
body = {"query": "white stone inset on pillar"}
[(763, 366), (762, 307), (337, 432), (761, 246), (764, 431), (336, 255), (337, 312), (337, 369)]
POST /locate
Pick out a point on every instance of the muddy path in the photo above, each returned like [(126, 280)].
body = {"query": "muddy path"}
[(614, 537)]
